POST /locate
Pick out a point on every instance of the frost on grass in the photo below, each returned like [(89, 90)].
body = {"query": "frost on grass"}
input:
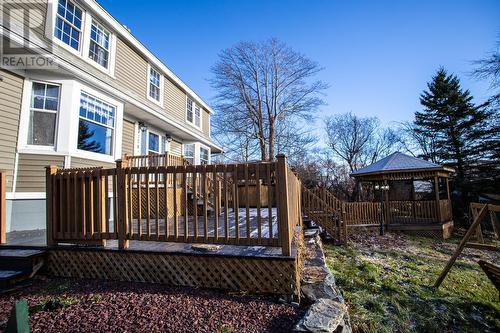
[(386, 281)]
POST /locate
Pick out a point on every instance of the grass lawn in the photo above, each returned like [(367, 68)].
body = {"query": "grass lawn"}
[(387, 283)]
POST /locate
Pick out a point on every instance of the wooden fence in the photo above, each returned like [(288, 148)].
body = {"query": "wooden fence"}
[(186, 203), (3, 209)]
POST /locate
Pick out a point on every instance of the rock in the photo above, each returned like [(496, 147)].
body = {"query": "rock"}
[(310, 233), (325, 315), (315, 291), (315, 274)]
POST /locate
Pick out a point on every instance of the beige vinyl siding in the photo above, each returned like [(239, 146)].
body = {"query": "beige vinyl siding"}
[(176, 148), (205, 123), (128, 137), (175, 102), (11, 90), (87, 163), (131, 70), (31, 171)]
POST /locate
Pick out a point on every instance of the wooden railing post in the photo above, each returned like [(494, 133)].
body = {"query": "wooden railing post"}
[(121, 200), (50, 171), (438, 203), (3, 213), (282, 201)]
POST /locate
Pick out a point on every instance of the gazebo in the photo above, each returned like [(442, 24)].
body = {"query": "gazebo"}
[(414, 193)]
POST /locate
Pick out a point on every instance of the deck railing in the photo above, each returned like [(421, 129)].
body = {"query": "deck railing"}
[(187, 203), (154, 160), (3, 209)]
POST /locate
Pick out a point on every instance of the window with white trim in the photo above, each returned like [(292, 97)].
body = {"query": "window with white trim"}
[(193, 113), (44, 106), (96, 125), (189, 110), (154, 84), (153, 143), (189, 152), (99, 44), (197, 116), (204, 156), (68, 27)]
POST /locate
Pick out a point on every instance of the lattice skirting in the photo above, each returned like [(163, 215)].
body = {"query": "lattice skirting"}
[(256, 275)]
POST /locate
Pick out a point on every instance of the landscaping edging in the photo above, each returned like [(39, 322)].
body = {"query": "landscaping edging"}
[(328, 311)]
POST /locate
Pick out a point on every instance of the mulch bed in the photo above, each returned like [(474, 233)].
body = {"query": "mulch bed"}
[(98, 306)]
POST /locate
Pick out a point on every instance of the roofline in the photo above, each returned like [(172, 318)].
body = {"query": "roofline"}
[(119, 28), (439, 168)]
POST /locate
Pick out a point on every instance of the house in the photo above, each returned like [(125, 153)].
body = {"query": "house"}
[(77, 89)]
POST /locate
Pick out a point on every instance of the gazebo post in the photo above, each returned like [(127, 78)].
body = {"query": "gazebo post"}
[(448, 188), (413, 212), (386, 199), (436, 190)]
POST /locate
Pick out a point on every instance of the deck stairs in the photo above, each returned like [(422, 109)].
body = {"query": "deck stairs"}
[(324, 210), (18, 266)]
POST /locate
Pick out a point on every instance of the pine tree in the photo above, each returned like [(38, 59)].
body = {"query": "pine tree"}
[(464, 132)]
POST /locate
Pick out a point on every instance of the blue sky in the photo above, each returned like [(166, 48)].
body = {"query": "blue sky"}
[(377, 55)]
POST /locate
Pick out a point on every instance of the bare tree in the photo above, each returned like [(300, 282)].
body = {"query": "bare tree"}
[(417, 143), (261, 88), (358, 141), (489, 69)]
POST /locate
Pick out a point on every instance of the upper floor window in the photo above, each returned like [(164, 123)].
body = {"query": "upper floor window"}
[(189, 110), (99, 44), (154, 87), (96, 125), (69, 23), (193, 113), (43, 114)]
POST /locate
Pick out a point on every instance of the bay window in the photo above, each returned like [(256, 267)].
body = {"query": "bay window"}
[(96, 125), (44, 106), (204, 156), (189, 152), (99, 44), (68, 27)]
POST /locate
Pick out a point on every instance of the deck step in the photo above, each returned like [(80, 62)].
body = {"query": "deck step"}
[(17, 265)]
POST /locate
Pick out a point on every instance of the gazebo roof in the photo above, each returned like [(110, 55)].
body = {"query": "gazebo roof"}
[(398, 162)]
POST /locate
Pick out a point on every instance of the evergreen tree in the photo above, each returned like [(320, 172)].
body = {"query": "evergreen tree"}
[(464, 133)]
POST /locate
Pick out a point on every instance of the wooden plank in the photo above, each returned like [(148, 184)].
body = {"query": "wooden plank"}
[(186, 213), (461, 246), (205, 201), (226, 204), (259, 199), (269, 200), (247, 201), (236, 203), (157, 206)]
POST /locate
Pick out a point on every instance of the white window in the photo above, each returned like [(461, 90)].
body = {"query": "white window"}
[(99, 44), (155, 92), (96, 125), (197, 116), (193, 113), (189, 110), (68, 27), (44, 106), (204, 156), (189, 152)]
